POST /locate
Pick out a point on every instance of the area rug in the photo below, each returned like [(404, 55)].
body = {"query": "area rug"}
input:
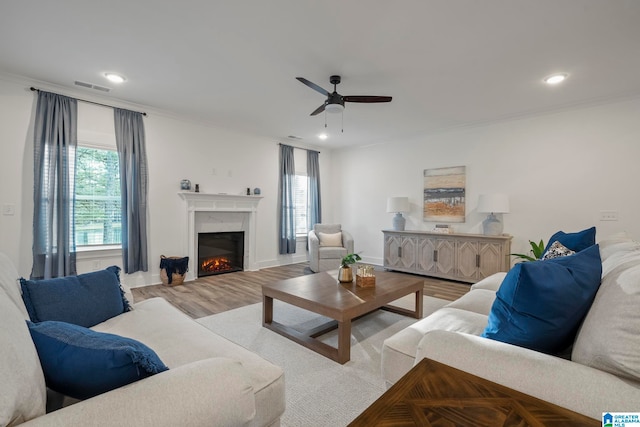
[(319, 391)]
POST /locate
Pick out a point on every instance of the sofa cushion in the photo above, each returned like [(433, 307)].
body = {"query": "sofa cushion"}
[(609, 337), (399, 350), (84, 300), (477, 300), (82, 363), (330, 239), (491, 283), (540, 304), (575, 241), (179, 340), (330, 252), (10, 284), (22, 386)]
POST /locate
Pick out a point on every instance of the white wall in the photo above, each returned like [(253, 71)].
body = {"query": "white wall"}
[(559, 170), (176, 149)]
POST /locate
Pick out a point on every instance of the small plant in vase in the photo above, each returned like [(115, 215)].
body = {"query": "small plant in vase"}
[(345, 274), (537, 249)]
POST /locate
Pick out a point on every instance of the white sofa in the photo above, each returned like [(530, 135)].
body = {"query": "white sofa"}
[(602, 372), (211, 381)]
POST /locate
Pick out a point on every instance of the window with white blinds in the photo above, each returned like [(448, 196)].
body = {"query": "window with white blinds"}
[(300, 202), (97, 209)]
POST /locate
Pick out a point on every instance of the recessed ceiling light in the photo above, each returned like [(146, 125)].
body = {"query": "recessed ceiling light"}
[(114, 77), (323, 136), (554, 79)]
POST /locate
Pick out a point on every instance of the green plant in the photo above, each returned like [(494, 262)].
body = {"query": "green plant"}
[(537, 249), (349, 259)]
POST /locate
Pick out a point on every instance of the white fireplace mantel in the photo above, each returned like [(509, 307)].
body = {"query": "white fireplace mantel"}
[(207, 202)]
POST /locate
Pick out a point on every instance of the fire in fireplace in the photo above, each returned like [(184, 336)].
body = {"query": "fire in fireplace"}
[(220, 252)]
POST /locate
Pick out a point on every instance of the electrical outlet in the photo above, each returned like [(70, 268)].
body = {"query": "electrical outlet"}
[(8, 209), (608, 215)]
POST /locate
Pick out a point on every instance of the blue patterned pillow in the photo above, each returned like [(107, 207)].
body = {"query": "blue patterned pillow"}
[(85, 299), (540, 305), (82, 363)]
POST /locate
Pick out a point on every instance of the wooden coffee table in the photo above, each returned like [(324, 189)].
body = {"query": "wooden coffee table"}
[(435, 394), (321, 293)]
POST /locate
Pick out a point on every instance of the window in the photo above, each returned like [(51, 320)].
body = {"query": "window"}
[(300, 203), (97, 215)]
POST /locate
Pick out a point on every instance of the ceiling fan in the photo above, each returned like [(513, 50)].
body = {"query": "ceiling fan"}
[(335, 101)]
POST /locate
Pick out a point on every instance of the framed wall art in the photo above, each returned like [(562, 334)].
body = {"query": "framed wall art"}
[(444, 194)]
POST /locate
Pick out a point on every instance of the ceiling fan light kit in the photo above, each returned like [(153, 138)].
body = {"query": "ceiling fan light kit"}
[(334, 108)]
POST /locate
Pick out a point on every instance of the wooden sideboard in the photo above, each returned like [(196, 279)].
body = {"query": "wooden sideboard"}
[(463, 257)]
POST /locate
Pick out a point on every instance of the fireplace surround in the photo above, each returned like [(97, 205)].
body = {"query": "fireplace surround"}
[(211, 213)]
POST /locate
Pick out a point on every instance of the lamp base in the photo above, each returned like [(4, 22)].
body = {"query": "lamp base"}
[(492, 226), (399, 222)]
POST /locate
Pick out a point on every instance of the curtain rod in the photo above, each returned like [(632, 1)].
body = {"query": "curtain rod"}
[(92, 102), (299, 148)]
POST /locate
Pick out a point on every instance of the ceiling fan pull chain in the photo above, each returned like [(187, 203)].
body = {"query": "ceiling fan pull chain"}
[(325, 119), (342, 130)]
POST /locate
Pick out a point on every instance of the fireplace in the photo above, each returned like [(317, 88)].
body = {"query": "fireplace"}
[(220, 252)]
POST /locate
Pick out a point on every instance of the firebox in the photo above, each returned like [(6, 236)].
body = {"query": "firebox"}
[(220, 252)]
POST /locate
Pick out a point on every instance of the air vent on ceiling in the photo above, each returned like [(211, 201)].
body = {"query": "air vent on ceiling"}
[(294, 137), (92, 86)]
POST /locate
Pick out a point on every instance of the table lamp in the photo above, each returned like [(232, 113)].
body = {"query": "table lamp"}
[(493, 204), (398, 205)]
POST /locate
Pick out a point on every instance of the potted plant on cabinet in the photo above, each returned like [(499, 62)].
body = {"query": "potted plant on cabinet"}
[(345, 274)]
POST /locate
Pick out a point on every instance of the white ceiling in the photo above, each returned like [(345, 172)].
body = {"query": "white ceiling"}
[(447, 63)]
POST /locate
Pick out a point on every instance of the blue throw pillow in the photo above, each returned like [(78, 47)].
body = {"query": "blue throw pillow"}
[(82, 363), (85, 299), (574, 241), (541, 304)]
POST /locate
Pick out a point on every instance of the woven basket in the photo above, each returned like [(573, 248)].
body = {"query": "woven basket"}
[(365, 281), (176, 278)]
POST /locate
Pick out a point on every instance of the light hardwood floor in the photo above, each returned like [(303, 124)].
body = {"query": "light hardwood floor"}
[(215, 294)]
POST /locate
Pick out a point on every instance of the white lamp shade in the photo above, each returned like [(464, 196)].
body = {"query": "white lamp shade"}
[(398, 204), (493, 203)]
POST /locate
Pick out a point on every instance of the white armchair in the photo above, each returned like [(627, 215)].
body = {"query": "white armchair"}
[(328, 244)]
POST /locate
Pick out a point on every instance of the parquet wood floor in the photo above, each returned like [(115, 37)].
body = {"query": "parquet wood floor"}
[(215, 294)]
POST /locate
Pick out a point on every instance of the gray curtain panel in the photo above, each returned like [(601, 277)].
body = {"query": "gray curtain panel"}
[(287, 225), (134, 179), (313, 189), (55, 143)]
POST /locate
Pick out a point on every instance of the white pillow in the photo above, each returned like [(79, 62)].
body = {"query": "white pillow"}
[(608, 339), (330, 239)]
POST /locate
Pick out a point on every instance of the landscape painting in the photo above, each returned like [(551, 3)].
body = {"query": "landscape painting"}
[(444, 194)]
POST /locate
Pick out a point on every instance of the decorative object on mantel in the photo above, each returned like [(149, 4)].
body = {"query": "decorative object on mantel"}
[(365, 278), (173, 270), (256, 191), (248, 191), (493, 204), (443, 228), (444, 194), (398, 205), (197, 188), (345, 273), (185, 184)]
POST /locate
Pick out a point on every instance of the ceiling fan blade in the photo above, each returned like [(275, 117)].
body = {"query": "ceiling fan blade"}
[(366, 98), (318, 110), (313, 86)]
